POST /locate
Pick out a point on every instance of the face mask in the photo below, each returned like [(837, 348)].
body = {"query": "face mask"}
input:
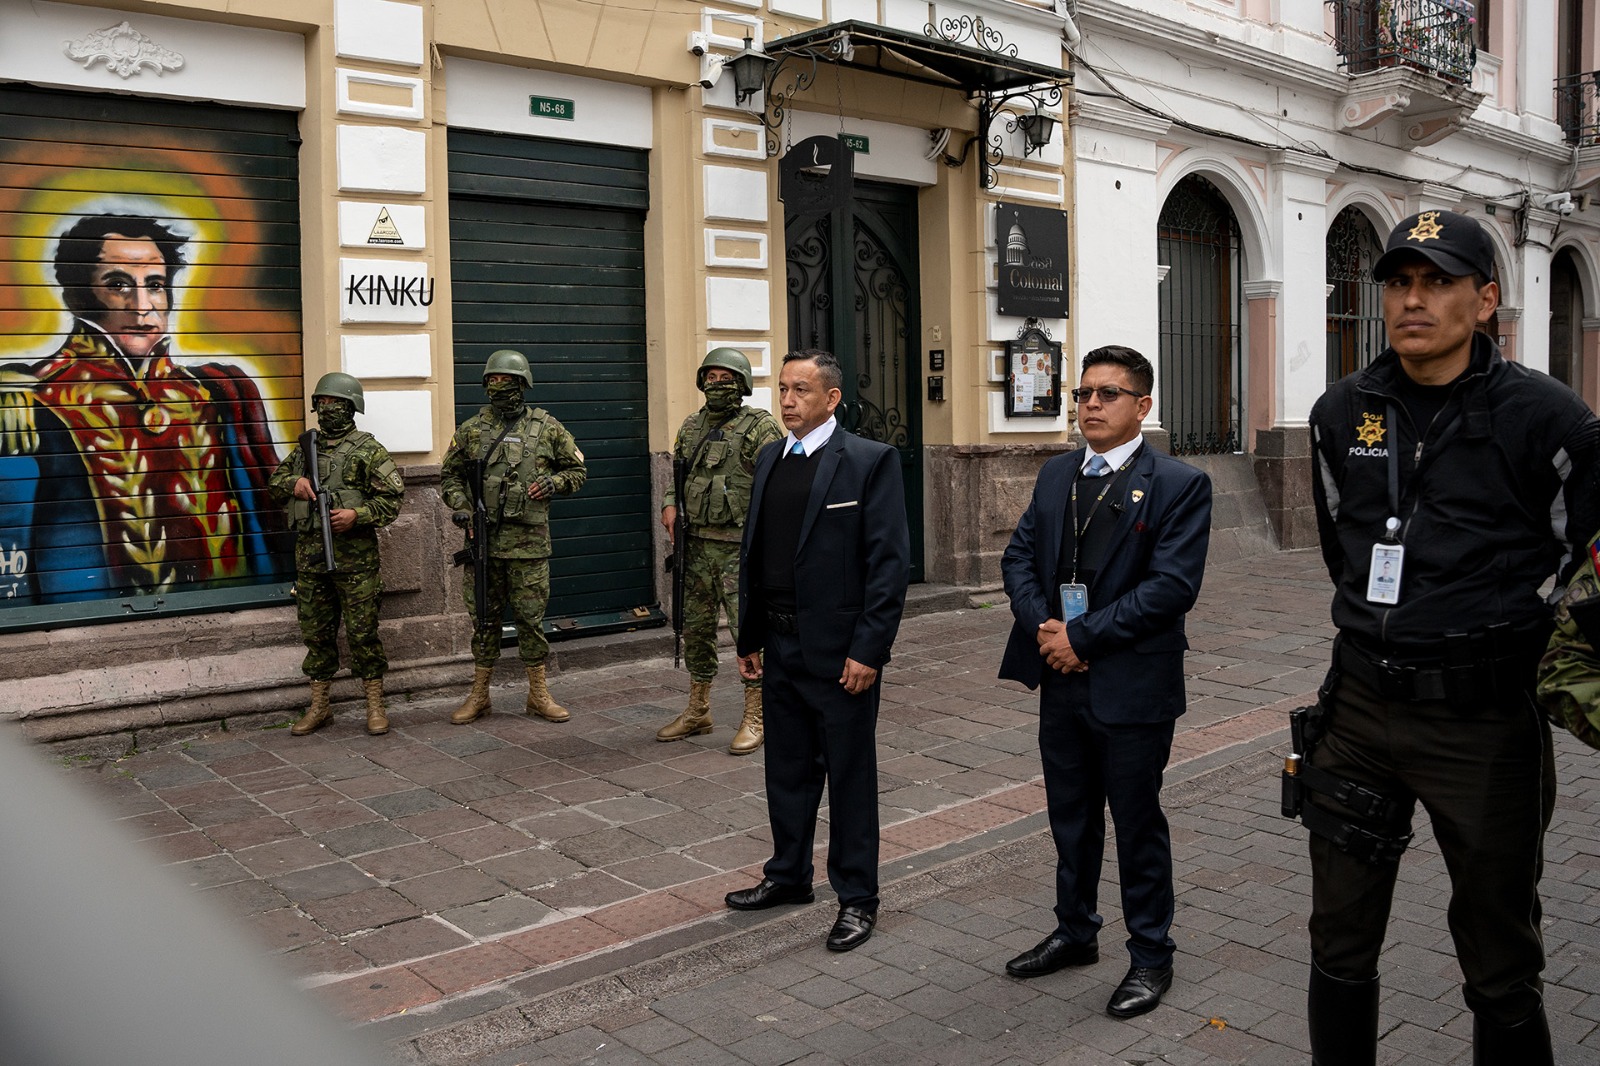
[(506, 398), (335, 417), (723, 396)]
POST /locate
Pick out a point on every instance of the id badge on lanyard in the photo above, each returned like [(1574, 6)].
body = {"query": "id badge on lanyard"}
[(1383, 575), (1074, 601), (1383, 580)]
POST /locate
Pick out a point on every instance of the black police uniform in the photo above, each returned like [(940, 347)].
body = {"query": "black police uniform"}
[(1430, 698)]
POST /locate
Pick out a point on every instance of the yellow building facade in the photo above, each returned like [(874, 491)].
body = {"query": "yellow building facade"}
[(397, 188)]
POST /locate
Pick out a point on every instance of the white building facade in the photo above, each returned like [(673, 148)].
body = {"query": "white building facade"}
[(1239, 162)]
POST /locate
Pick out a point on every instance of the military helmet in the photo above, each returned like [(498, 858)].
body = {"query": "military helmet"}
[(342, 387), (728, 359), (507, 361)]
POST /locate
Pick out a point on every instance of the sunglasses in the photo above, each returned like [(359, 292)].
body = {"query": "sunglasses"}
[(1108, 394)]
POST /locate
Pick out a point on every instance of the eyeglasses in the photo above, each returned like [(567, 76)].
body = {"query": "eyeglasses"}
[(1108, 394)]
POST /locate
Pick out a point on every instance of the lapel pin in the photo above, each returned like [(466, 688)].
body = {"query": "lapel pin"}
[(1137, 494)]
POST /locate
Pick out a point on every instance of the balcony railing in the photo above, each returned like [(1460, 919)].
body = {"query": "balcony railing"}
[(1576, 107), (1435, 36)]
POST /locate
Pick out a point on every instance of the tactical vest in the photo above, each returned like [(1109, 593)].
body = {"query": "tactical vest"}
[(717, 489), (333, 470), (1569, 673), (521, 456)]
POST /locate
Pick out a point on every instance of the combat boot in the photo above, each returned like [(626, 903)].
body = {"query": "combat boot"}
[(477, 702), (539, 701), (752, 730), (695, 719), (320, 711), (377, 718)]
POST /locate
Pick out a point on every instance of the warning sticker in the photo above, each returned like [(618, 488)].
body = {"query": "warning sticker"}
[(384, 231)]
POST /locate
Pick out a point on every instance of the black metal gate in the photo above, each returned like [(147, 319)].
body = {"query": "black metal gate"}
[(1355, 301), (1202, 303), (857, 298)]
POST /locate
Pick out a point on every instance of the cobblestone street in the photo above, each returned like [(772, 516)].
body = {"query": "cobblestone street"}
[(520, 892)]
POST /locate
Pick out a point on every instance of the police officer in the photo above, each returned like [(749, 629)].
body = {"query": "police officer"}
[(365, 492), (530, 458), (1469, 476), (718, 444)]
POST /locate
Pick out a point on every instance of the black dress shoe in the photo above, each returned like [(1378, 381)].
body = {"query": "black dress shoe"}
[(1050, 955), (768, 894), (851, 929), (1140, 992)]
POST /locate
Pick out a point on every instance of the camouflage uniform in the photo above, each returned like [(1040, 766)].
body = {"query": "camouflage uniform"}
[(1569, 673), (535, 447), (359, 474), (718, 489)]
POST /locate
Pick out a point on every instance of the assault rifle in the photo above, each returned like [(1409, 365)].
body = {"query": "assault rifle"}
[(308, 451), (680, 555), (475, 524)]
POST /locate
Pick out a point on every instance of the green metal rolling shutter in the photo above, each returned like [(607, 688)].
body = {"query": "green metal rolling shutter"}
[(547, 257)]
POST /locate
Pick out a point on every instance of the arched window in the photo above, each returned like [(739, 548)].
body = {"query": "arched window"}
[(1355, 301), (1202, 305), (1566, 321)]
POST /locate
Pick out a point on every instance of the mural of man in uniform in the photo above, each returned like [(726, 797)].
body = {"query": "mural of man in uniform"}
[(123, 472)]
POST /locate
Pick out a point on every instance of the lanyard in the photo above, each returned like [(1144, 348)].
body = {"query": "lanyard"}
[(1078, 532), (1391, 533)]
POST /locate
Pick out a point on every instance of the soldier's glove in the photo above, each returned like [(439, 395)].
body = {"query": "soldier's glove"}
[(546, 485), (462, 519)]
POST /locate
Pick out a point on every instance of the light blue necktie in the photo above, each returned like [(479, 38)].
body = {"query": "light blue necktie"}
[(1097, 466), (798, 449)]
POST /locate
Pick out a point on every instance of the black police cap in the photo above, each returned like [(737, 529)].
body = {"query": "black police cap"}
[(1456, 244)]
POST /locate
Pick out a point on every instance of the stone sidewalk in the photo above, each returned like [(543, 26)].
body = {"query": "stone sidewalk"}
[(530, 892)]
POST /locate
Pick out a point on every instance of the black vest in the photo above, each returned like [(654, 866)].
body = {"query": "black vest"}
[(1092, 536), (783, 509)]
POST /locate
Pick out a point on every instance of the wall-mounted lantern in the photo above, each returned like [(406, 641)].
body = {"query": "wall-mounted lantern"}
[(1037, 129), (749, 72)]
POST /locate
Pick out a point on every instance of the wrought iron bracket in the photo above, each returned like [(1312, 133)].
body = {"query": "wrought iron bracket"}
[(1033, 324), (1005, 88), (992, 106), (775, 101)]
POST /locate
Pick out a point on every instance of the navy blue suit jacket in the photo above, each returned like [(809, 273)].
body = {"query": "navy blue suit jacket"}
[(853, 560), (1132, 637)]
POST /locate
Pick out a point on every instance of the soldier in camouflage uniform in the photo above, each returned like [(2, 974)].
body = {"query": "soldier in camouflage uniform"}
[(1569, 673), (719, 443), (365, 492), (531, 458)]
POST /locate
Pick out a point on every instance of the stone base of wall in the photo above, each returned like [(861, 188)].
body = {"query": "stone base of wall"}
[(1283, 469), (158, 673), (975, 494)]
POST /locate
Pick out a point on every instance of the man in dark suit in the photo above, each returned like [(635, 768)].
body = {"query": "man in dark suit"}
[(1101, 570), (822, 582)]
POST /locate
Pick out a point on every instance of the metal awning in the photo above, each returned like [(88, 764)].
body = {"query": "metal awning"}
[(988, 68)]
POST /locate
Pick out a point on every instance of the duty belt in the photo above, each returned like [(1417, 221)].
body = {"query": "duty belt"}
[(1476, 666)]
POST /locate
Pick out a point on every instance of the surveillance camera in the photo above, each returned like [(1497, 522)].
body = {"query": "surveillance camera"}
[(711, 68), (1559, 202), (697, 44)]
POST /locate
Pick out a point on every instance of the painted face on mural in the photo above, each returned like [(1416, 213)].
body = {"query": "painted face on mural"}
[(130, 282)]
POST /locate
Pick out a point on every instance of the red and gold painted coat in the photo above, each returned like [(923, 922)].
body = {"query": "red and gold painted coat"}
[(176, 459)]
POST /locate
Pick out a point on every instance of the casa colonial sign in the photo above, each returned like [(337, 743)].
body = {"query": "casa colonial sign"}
[(1032, 243)]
